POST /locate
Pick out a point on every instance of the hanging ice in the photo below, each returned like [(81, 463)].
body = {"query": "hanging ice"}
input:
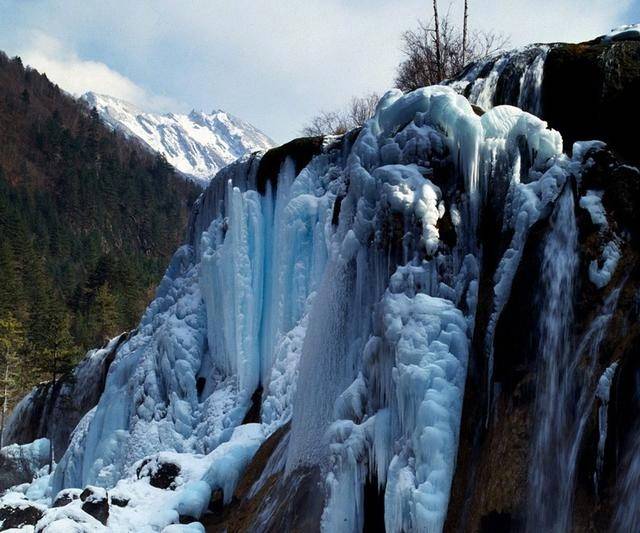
[(337, 292), (603, 392)]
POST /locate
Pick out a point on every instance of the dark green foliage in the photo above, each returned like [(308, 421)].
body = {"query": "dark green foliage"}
[(88, 220)]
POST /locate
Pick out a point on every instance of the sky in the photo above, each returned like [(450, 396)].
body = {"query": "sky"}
[(274, 63)]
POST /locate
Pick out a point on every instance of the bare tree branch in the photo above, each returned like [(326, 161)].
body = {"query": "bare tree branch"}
[(438, 53), (341, 121), (421, 67), (464, 31)]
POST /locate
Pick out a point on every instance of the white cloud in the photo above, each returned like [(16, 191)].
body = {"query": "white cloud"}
[(274, 63), (78, 76)]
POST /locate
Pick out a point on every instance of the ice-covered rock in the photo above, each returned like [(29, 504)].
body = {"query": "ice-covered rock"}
[(623, 33), (601, 275), (54, 411), (334, 285), (20, 463)]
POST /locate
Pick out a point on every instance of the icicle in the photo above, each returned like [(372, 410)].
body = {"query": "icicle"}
[(602, 394)]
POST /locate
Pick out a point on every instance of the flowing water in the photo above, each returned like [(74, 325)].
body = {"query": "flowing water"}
[(627, 516), (519, 71), (565, 389), (549, 497)]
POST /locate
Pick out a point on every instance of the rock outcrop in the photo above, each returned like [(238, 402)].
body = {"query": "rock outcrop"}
[(19, 464), (53, 411)]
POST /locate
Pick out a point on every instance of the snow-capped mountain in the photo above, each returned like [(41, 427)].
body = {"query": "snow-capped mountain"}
[(198, 144)]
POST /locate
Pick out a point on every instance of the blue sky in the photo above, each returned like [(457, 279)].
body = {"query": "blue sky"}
[(274, 63)]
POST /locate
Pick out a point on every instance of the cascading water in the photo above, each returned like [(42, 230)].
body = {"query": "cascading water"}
[(513, 78), (565, 395), (550, 495), (530, 94), (627, 515), (581, 374)]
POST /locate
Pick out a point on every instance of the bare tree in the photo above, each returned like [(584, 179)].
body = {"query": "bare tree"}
[(355, 114), (464, 31), (437, 39), (421, 47)]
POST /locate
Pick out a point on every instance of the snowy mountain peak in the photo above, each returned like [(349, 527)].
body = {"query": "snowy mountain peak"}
[(198, 144)]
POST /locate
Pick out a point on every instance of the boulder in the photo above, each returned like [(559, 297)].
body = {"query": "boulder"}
[(65, 497), (161, 474), (96, 503), (18, 516), (119, 501), (19, 464)]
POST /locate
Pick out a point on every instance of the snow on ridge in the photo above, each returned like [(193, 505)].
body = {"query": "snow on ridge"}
[(197, 144), (622, 33)]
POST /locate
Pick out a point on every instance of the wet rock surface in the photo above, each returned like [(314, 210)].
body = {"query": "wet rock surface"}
[(590, 90)]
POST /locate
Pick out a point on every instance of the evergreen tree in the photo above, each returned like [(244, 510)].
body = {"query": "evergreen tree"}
[(106, 314), (88, 222), (53, 349), (10, 287), (53, 354), (12, 341)]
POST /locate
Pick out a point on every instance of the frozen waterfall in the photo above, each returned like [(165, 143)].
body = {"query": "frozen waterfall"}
[(339, 291)]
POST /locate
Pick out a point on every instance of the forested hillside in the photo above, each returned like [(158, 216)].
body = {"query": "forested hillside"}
[(88, 221)]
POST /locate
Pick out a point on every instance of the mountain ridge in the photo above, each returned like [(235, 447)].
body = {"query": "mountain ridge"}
[(197, 144)]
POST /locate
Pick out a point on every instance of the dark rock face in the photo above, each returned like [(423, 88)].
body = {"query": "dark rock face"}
[(621, 186), (119, 502), (373, 502), (54, 411), (96, 504), (590, 91), (508, 86), (17, 517), (161, 474), (65, 497), (301, 151), (253, 414), (267, 500), (496, 522), (489, 491)]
